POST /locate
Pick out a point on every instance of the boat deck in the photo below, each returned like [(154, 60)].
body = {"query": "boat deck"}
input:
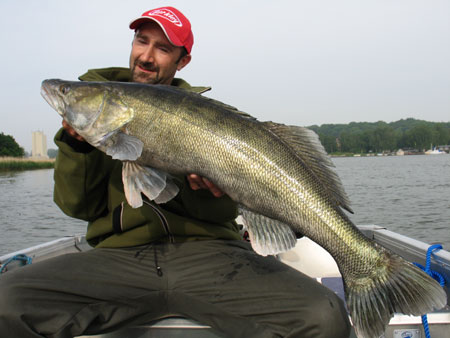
[(307, 257)]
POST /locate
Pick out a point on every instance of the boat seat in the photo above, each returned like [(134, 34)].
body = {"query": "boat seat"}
[(169, 327)]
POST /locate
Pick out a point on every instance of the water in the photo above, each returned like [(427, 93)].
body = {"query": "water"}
[(406, 194), (28, 215)]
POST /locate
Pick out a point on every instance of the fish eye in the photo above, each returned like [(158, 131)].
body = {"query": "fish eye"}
[(64, 89)]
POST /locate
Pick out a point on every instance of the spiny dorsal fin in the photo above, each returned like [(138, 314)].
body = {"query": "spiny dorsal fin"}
[(192, 94), (306, 145)]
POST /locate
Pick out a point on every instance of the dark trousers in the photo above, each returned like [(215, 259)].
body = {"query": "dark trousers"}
[(223, 284)]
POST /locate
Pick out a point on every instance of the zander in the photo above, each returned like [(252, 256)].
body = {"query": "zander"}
[(280, 175)]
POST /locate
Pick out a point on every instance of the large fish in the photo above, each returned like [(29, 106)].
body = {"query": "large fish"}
[(280, 175)]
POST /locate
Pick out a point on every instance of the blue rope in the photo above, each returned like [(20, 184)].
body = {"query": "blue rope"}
[(20, 257), (435, 275)]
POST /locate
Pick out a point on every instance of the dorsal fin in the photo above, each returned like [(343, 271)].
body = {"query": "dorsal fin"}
[(194, 95), (306, 145)]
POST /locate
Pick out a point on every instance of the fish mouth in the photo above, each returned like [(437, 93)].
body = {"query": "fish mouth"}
[(47, 93)]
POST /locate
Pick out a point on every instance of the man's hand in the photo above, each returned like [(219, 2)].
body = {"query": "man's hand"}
[(197, 182), (69, 130)]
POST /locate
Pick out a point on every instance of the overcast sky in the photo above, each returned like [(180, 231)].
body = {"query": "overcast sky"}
[(299, 62)]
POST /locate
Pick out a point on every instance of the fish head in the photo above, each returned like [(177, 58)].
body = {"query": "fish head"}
[(96, 110)]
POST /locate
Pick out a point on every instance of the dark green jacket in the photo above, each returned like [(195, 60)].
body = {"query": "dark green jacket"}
[(88, 186)]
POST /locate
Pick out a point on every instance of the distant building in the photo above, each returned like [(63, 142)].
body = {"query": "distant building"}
[(39, 145)]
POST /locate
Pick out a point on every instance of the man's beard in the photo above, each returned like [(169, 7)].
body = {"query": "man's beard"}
[(137, 76)]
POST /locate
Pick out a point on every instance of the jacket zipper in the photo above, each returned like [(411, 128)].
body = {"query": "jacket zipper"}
[(164, 222)]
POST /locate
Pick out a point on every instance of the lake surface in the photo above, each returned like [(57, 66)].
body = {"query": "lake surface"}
[(406, 194)]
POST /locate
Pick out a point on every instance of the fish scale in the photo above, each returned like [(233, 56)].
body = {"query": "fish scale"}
[(279, 175)]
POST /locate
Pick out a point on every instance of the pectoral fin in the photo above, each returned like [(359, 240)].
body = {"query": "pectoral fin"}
[(267, 236), (154, 184), (123, 147)]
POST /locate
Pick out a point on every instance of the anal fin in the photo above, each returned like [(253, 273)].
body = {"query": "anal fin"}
[(267, 236)]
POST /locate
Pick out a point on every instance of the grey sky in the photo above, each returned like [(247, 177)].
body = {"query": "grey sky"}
[(296, 62)]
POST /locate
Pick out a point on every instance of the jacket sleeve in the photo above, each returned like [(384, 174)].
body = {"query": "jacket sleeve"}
[(81, 178), (202, 204)]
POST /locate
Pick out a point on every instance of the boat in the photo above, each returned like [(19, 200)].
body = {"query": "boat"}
[(307, 257), (434, 151)]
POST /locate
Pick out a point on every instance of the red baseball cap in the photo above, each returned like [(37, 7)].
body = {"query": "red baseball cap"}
[(173, 23)]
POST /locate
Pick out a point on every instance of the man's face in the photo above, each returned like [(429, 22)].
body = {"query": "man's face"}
[(153, 58)]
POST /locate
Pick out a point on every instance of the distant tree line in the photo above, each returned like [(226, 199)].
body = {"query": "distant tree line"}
[(355, 137), (9, 146), (377, 137)]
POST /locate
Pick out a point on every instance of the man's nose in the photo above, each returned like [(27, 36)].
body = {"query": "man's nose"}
[(147, 54)]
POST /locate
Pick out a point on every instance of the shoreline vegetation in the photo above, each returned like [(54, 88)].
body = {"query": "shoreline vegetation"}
[(411, 136), (337, 154), (25, 163), (30, 163)]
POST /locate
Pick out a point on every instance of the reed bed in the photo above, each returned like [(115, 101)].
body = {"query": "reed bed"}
[(25, 163)]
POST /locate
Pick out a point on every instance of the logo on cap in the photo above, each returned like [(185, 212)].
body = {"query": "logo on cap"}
[(166, 14)]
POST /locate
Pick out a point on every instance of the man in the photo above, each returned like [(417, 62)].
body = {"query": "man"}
[(184, 257)]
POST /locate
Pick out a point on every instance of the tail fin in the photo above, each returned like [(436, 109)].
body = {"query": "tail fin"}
[(402, 288)]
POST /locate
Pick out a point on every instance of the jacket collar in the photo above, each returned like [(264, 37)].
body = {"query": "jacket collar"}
[(123, 75)]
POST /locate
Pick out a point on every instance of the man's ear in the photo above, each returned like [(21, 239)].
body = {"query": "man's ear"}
[(184, 61)]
